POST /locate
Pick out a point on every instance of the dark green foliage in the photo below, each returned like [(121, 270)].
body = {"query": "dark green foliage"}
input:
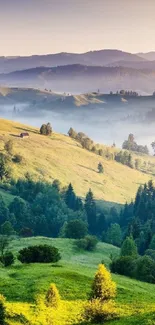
[(70, 197), (114, 235), (46, 129), (100, 168), (4, 212), (4, 170), (124, 265), (125, 158), (87, 243), (7, 229), (129, 247), (4, 243), (90, 207), (76, 229), (145, 270), (17, 159), (7, 259), (39, 254), (151, 253)]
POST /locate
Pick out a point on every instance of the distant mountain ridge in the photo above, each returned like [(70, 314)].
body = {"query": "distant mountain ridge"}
[(99, 58)]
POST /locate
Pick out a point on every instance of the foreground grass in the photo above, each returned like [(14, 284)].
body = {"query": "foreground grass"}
[(73, 275)]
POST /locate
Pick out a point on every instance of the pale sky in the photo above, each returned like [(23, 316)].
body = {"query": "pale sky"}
[(50, 26)]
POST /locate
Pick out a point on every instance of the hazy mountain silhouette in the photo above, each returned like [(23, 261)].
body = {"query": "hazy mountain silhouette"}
[(102, 57)]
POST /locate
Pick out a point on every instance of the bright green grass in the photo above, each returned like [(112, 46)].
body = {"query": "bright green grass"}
[(73, 276)]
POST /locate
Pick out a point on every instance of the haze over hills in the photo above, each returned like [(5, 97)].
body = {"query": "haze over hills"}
[(101, 57), (105, 118), (81, 78)]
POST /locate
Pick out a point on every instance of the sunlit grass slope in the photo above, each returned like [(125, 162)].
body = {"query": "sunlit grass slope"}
[(61, 157), (73, 277)]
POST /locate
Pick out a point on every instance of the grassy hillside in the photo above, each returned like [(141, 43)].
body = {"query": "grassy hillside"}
[(61, 157), (73, 276)]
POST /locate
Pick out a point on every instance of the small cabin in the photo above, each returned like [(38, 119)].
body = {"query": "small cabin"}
[(24, 135)]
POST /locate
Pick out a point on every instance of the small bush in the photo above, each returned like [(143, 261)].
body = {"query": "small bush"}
[(2, 310), (7, 259), (87, 243), (52, 297), (17, 159), (39, 254), (98, 312)]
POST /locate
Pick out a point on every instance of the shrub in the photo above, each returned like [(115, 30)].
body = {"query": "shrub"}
[(76, 229), (145, 269), (52, 297), (17, 158), (39, 254), (98, 312), (7, 259), (125, 265), (2, 310), (87, 243), (103, 287)]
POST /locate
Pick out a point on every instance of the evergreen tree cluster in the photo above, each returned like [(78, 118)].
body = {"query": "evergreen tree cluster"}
[(131, 144), (44, 209)]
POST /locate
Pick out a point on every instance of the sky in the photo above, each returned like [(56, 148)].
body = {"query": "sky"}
[(49, 26)]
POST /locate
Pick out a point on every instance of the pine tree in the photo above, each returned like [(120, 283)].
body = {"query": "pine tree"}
[(103, 287), (70, 197), (90, 207), (52, 298)]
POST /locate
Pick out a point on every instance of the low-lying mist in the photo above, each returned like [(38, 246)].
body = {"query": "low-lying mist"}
[(101, 125)]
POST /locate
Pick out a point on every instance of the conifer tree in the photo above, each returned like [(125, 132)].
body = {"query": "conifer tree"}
[(90, 207), (103, 287), (70, 197), (100, 168)]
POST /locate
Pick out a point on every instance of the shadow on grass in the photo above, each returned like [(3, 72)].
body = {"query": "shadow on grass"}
[(27, 130), (94, 170)]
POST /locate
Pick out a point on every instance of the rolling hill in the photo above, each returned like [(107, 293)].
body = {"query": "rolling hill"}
[(78, 78), (60, 157)]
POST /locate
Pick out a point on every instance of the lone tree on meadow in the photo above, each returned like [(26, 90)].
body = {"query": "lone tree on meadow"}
[(100, 168), (103, 287), (46, 129)]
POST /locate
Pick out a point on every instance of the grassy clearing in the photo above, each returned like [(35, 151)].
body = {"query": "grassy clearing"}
[(73, 276), (58, 156)]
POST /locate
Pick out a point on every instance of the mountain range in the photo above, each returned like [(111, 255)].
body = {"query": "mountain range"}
[(75, 73)]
